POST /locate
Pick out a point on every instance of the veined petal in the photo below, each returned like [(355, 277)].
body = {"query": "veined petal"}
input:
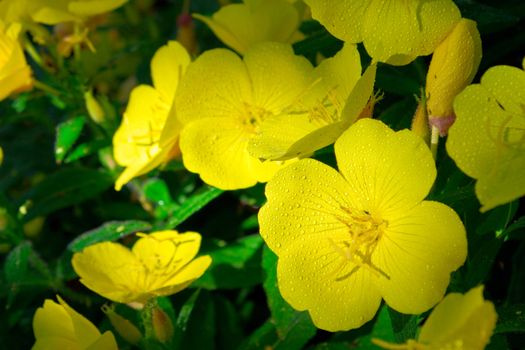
[(267, 61), (418, 252), (167, 68), (341, 18), (216, 149), (305, 198), (215, 85), (240, 26), (111, 270), (359, 96), (184, 277), (314, 276), (388, 172), (396, 31)]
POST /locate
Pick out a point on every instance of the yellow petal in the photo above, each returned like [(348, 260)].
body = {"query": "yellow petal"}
[(267, 61), (465, 319), (105, 342), (86, 8), (167, 249), (314, 276), (359, 96), (52, 321), (418, 251), (184, 277), (240, 26), (215, 85), (398, 31), (388, 172), (85, 332), (216, 149), (341, 18), (486, 139), (111, 270), (454, 64), (304, 199), (167, 68)]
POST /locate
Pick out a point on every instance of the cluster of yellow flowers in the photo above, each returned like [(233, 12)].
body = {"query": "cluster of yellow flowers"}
[(346, 239)]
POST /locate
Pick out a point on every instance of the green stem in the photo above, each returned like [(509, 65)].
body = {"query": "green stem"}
[(434, 141), (46, 88)]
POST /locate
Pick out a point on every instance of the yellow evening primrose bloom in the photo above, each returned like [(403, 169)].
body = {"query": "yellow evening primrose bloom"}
[(335, 101), (159, 264), (58, 326), (148, 134), (392, 31), (15, 74), (454, 64), (240, 26), (459, 321), (348, 239), (223, 100), (487, 140)]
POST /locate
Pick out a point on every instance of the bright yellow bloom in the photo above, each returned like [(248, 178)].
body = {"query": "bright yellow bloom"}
[(139, 144), (335, 101), (15, 74), (159, 264), (58, 326), (222, 101), (55, 11), (347, 240), (458, 322), (454, 64), (392, 31), (241, 26), (487, 141)]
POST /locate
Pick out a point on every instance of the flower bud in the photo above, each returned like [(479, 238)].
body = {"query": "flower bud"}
[(454, 64), (127, 330), (420, 121), (162, 325), (95, 110)]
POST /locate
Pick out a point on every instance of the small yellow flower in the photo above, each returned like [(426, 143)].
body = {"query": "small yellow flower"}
[(15, 74), (222, 102), (159, 264), (458, 322), (487, 139), (241, 26), (392, 31), (347, 240), (454, 64), (148, 134), (335, 101), (58, 326)]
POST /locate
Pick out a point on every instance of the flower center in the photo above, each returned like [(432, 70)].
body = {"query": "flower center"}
[(364, 232), (253, 116)]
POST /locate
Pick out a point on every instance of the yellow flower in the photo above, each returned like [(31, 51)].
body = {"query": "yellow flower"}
[(139, 144), (55, 11), (159, 264), (487, 139), (347, 240), (222, 101), (392, 31), (336, 100), (454, 64), (15, 74), (58, 326), (240, 26), (458, 322)]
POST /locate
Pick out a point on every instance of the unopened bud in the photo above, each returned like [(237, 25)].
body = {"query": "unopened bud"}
[(454, 64), (420, 124), (127, 330), (186, 33), (162, 325), (95, 110)]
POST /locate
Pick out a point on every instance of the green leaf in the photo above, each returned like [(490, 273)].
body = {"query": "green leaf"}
[(480, 261), (62, 189), (497, 219), (262, 338), (157, 191), (514, 230), (110, 231), (201, 328), (67, 133), (404, 326), (294, 328), (192, 205), (489, 19), (382, 330), (85, 149), (511, 318), (183, 318), (234, 265), (17, 262)]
